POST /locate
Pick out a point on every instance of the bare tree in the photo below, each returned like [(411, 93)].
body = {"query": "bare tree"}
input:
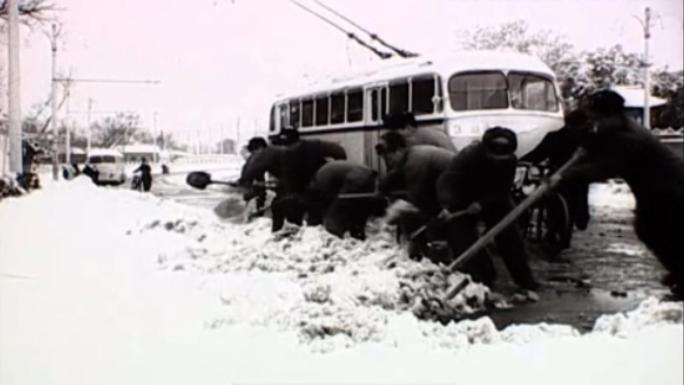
[(31, 12)]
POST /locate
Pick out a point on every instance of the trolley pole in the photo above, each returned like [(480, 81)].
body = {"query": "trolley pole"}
[(15, 160)]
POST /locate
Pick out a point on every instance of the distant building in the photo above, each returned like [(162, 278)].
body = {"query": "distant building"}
[(634, 103), (133, 153), (226, 146)]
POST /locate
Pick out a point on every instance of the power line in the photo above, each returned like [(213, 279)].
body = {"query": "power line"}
[(94, 80), (374, 36), (351, 35)]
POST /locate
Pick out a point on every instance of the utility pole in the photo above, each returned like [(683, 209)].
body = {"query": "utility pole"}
[(646, 24), (88, 130), (67, 132), (53, 103), (647, 77), (237, 131), (15, 161)]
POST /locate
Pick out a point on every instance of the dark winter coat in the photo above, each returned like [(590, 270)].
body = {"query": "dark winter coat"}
[(471, 177), (145, 175), (619, 147), (417, 173), (294, 166), (340, 215), (429, 136)]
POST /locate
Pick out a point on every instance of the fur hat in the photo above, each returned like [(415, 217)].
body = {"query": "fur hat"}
[(500, 141), (606, 102), (256, 143)]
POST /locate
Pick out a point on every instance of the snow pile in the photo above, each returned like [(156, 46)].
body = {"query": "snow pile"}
[(651, 313), (334, 292)]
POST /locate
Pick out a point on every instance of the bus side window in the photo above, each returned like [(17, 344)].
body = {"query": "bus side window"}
[(337, 111), (284, 116), (438, 99), (307, 112), (272, 119), (398, 97), (294, 113), (322, 107), (423, 91), (354, 105)]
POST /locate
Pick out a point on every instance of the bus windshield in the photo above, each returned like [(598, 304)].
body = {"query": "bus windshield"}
[(532, 92), (478, 91), (493, 90)]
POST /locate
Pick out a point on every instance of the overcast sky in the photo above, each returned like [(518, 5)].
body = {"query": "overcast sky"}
[(218, 60)]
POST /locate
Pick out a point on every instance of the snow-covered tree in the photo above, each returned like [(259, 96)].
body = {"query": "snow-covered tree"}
[(578, 73)]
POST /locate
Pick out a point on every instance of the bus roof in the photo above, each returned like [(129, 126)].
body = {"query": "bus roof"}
[(444, 65)]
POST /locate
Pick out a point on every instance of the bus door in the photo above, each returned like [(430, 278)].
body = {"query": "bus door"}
[(376, 101)]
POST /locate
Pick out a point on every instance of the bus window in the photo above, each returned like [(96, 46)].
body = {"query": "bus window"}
[(478, 91), (422, 93), (532, 92), (294, 113), (337, 110), (398, 97), (284, 119), (307, 113), (272, 119), (438, 99), (322, 107), (354, 105)]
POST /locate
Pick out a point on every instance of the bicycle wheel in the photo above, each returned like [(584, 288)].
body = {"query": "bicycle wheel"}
[(549, 224)]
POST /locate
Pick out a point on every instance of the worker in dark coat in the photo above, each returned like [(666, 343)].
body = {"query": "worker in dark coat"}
[(294, 166), (482, 174), (619, 147), (415, 135), (257, 190), (145, 174), (557, 148), (339, 214), (414, 169)]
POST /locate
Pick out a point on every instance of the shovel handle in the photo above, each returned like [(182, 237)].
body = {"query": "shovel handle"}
[(513, 215)]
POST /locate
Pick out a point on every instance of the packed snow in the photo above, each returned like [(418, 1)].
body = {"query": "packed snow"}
[(110, 286)]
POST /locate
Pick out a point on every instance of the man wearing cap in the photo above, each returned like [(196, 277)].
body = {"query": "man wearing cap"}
[(406, 125), (482, 174), (294, 166), (415, 169), (254, 145)]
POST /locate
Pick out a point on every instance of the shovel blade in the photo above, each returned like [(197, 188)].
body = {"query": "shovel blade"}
[(198, 179), (233, 208)]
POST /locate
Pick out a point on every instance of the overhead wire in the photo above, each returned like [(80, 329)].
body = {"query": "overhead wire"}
[(374, 36), (350, 35)]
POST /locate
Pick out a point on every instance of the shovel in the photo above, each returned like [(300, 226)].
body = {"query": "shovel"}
[(200, 180), (546, 185), (471, 210)]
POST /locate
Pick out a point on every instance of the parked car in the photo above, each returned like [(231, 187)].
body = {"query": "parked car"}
[(109, 165)]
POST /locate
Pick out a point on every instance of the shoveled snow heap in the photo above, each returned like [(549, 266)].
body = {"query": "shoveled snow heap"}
[(332, 291), (112, 286)]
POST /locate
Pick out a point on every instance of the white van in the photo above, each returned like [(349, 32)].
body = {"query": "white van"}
[(109, 164)]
